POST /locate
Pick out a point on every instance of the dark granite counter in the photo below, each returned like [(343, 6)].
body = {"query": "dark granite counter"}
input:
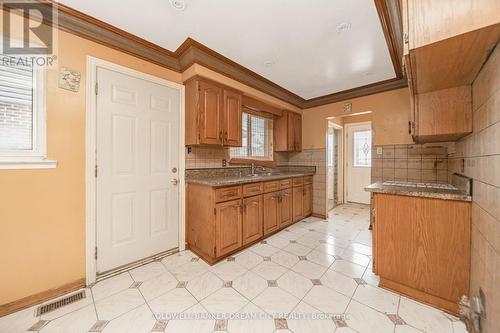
[(425, 190), (237, 176)]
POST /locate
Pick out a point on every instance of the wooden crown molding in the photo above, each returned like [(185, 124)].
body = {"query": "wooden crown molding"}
[(369, 89), (192, 52), (389, 13)]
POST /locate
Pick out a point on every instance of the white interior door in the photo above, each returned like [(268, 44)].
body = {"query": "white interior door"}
[(137, 159), (358, 161)]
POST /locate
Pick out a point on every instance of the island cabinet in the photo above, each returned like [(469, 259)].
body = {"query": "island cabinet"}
[(213, 114), (421, 247), (223, 220)]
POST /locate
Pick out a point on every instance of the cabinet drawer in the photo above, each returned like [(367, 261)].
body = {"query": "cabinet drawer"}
[(298, 181), (271, 186), (227, 193), (308, 180), (252, 189), (285, 183)]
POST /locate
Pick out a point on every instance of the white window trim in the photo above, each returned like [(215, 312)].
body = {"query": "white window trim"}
[(37, 157)]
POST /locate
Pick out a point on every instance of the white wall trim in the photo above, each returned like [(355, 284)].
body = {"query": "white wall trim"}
[(91, 153), (344, 152)]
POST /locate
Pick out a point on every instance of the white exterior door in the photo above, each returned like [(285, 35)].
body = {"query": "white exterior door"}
[(137, 159), (358, 161)]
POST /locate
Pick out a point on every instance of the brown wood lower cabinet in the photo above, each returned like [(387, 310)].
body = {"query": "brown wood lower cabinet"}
[(228, 227), (285, 202), (271, 212), (307, 199), (252, 219), (223, 220), (298, 203), (421, 247)]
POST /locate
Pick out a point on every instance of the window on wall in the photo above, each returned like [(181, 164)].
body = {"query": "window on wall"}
[(257, 138), (362, 149), (22, 117)]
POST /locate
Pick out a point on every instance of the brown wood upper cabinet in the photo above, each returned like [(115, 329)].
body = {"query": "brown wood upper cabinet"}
[(445, 46), (288, 132), (213, 114)]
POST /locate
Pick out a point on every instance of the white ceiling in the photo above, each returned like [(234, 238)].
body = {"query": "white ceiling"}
[(309, 57)]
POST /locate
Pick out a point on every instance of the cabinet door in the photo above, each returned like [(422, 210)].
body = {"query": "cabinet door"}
[(210, 114), (286, 207), (297, 132), (232, 119), (290, 131), (252, 219), (308, 196), (298, 203), (228, 227), (271, 212)]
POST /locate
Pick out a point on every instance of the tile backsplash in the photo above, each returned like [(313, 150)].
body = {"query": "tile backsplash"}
[(414, 163)]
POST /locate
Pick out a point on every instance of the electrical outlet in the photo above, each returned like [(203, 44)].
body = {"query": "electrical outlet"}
[(379, 150), (224, 163)]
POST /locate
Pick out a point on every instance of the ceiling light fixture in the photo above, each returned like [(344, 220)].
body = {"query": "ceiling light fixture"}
[(268, 63), (178, 4), (343, 27)]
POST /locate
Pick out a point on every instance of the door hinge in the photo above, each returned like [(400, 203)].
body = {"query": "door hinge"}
[(95, 171), (96, 88), (95, 253)]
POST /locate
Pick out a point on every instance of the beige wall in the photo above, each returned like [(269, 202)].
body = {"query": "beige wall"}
[(390, 116), (42, 212), (481, 152)]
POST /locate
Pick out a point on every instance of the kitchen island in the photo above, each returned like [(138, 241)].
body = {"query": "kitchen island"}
[(421, 240)]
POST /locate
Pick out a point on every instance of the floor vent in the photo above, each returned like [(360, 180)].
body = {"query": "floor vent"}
[(42, 309)]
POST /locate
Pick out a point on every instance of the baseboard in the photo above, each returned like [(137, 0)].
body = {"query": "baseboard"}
[(420, 296), (320, 216), (43, 296)]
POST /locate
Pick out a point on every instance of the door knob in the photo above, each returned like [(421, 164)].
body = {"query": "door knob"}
[(174, 181)]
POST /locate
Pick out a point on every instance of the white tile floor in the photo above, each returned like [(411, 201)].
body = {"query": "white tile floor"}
[(314, 277)]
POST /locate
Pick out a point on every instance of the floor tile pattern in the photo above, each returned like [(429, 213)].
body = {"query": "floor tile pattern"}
[(314, 276)]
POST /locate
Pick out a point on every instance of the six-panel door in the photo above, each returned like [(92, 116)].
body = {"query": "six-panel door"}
[(271, 212), (210, 114), (252, 219), (228, 225)]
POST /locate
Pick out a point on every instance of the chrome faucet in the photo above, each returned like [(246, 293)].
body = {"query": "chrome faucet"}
[(253, 169)]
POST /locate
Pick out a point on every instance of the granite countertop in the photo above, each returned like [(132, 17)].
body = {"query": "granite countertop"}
[(217, 181), (425, 190)]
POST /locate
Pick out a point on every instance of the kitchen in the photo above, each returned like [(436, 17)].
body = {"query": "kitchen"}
[(341, 180)]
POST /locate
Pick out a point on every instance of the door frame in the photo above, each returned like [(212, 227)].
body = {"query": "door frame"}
[(340, 162), (345, 150), (91, 153)]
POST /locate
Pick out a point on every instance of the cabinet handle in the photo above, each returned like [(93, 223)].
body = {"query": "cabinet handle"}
[(409, 127), (225, 136), (406, 38), (220, 135)]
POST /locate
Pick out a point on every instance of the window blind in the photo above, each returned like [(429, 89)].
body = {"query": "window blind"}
[(16, 107)]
